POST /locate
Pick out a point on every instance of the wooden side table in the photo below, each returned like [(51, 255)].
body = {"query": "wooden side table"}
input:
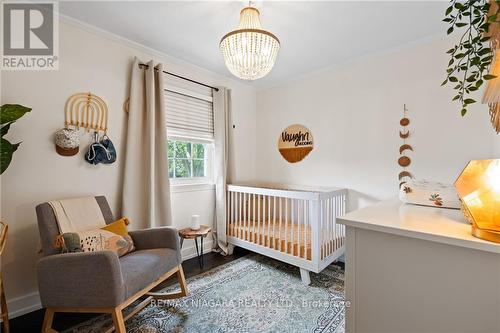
[(188, 233)]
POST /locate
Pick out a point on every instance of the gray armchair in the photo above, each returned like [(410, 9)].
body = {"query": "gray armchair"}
[(101, 282)]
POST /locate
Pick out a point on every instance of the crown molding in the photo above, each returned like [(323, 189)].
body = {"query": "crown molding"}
[(214, 78)]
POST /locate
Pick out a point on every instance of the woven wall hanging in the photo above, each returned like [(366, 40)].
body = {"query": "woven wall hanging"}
[(87, 111)]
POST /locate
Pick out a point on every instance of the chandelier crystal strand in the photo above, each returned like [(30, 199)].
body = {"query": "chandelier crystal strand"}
[(249, 51)]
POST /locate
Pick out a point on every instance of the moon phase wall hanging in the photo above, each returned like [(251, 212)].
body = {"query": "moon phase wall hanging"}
[(295, 143), (404, 161)]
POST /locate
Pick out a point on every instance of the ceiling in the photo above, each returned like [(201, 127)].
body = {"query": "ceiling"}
[(313, 35)]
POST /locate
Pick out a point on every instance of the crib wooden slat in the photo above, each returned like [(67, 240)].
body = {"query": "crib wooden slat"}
[(238, 217), (286, 225), (226, 217), (332, 229), (322, 225), (315, 231), (303, 234), (274, 223), (232, 213), (327, 228), (279, 226), (337, 227), (259, 212), (253, 218), (241, 217), (336, 235), (332, 217), (268, 219), (332, 226), (292, 226), (327, 235), (301, 230), (228, 212), (245, 217), (307, 226)]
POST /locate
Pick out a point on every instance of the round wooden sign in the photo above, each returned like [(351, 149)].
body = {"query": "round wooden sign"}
[(295, 142)]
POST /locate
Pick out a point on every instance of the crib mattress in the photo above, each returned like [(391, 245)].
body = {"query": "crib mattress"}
[(288, 238)]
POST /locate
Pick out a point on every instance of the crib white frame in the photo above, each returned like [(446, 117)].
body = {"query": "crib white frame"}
[(324, 205)]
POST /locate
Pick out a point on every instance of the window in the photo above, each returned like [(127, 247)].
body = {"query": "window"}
[(188, 160), (190, 130)]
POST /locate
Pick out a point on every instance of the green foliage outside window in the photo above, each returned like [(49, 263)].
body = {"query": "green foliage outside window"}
[(186, 159)]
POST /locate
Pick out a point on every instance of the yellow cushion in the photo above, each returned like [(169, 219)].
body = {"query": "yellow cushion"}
[(118, 227)]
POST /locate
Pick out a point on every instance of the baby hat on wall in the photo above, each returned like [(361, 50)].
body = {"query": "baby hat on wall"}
[(67, 142)]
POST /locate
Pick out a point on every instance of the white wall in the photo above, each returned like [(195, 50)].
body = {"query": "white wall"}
[(100, 63), (497, 151), (353, 111)]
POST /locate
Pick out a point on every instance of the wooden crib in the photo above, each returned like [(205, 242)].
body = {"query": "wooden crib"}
[(296, 225)]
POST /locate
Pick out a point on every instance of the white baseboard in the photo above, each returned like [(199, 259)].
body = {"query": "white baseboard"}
[(189, 249), (24, 304), (31, 302)]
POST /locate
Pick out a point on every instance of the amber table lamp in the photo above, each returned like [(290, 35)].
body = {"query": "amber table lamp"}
[(479, 189)]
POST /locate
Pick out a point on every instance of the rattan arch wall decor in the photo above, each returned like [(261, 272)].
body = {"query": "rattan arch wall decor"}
[(87, 111), (404, 161)]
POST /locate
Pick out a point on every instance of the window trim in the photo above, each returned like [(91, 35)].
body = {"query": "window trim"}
[(209, 154)]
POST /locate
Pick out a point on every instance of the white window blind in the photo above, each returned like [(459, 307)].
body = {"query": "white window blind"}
[(189, 113)]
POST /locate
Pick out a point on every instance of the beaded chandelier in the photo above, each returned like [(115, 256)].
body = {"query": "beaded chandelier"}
[(249, 51)]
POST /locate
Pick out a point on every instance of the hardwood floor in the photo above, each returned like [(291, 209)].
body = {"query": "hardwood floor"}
[(32, 322)]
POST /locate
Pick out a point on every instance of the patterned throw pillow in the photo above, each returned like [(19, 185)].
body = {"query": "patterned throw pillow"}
[(113, 237)]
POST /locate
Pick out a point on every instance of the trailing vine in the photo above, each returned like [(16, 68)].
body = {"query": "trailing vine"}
[(471, 58)]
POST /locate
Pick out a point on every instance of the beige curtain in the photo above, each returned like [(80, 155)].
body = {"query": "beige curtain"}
[(146, 186), (221, 104)]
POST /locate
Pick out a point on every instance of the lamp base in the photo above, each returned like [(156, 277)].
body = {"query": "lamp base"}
[(492, 236)]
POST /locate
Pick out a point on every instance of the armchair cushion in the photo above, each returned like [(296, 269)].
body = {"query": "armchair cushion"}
[(87, 279), (143, 267), (157, 238)]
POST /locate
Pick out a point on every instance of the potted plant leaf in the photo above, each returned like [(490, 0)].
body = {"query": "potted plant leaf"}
[(471, 58), (9, 113)]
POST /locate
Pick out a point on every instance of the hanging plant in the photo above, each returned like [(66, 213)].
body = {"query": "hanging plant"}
[(472, 56)]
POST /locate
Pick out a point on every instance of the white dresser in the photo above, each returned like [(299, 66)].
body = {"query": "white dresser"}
[(418, 269)]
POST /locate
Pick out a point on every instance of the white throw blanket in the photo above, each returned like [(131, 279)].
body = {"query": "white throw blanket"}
[(77, 214)]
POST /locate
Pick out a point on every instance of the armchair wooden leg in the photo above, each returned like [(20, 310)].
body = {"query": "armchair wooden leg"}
[(47, 321), (118, 320), (3, 308), (182, 281)]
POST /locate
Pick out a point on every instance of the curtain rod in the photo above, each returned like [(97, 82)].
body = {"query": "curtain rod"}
[(182, 77)]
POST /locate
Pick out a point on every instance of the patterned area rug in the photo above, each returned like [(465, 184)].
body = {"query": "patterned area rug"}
[(250, 294)]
